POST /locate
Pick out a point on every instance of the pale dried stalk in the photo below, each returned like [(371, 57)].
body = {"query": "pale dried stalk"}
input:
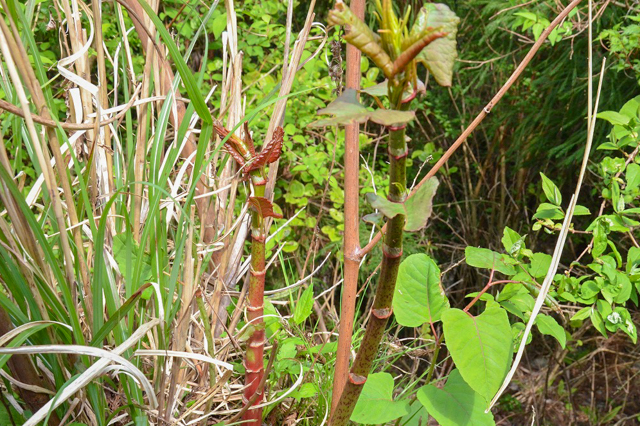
[(179, 338), (37, 95), (43, 158)]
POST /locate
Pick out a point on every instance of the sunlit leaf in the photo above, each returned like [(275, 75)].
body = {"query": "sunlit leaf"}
[(456, 404), (304, 306), (480, 346), (614, 118), (376, 404)]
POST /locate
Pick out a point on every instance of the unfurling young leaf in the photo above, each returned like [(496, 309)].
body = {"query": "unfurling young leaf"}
[(264, 207), (358, 34), (270, 152)]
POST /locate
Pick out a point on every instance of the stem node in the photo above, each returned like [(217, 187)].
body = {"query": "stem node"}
[(357, 380)]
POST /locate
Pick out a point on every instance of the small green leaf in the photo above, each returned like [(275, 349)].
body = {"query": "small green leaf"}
[(480, 346), (296, 189), (304, 306), (598, 322), (419, 206), (551, 191), (581, 211), (549, 326), (388, 208), (582, 314), (456, 404), (346, 109), (487, 259), (376, 404), (419, 297), (511, 240), (307, 390), (548, 211), (614, 118), (378, 90), (126, 253)]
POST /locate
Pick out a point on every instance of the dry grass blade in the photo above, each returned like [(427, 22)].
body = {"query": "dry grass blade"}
[(95, 370)]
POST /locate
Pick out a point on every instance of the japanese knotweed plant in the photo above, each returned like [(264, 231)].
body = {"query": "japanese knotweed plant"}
[(253, 165), (396, 51)]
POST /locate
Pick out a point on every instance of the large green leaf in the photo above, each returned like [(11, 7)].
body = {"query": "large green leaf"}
[(346, 109), (440, 55), (376, 404), (456, 404), (487, 259), (480, 346), (419, 297)]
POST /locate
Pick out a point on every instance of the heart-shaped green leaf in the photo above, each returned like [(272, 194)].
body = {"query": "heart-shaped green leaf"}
[(376, 404), (440, 55), (419, 297), (480, 346), (456, 404)]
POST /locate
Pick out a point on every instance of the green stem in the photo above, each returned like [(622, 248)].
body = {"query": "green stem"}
[(392, 252)]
